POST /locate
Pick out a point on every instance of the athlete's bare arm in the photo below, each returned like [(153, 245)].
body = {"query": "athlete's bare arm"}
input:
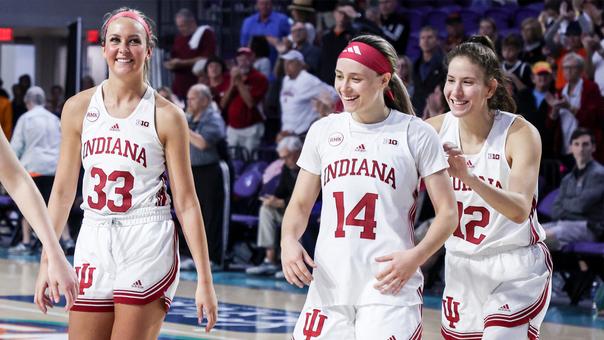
[(65, 183), (293, 256), (523, 153), (172, 130), (404, 263)]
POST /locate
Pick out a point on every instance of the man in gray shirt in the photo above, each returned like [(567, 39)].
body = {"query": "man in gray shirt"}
[(36, 141), (578, 212)]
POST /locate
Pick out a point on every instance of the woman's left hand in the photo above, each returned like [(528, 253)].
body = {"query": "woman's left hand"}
[(205, 300), (402, 265)]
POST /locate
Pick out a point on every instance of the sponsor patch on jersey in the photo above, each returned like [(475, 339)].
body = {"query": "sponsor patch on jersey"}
[(336, 139), (93, 115)]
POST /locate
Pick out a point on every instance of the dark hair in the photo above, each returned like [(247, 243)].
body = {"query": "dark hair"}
[(401, 101), (215, 59), (512, 40), (259, 45), (186, 13), (579, 132), (151, 40), (481, 52)]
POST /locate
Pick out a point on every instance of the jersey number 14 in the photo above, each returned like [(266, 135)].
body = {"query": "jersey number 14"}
[(368, 223)]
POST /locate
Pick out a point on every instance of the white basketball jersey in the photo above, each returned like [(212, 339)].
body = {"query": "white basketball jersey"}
[(369, 180), (482, 229), (123, 159)]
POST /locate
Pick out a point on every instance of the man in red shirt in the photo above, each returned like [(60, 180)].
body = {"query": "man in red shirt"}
[(242, 103), (191, 44)]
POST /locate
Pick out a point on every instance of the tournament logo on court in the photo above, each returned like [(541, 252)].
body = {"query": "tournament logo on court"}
[(92, 115), (336, 139)]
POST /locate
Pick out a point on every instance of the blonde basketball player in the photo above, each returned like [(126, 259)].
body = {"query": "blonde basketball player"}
[(368, 161), (21, 188), (497, 270), (126, 137)]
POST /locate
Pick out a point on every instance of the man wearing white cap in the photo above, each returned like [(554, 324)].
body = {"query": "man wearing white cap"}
[(298, 91)]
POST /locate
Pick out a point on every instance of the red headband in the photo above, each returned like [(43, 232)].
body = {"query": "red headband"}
[(368, 56), (132, 15)]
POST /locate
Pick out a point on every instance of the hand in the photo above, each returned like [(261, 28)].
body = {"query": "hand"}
[(171, 64), (40, 297), (565, 13), (402, 265), (62, 279), (205, 299), (458, 166), (294, 260)]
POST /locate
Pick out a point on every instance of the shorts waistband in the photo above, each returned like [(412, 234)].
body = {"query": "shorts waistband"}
[(133, 217)]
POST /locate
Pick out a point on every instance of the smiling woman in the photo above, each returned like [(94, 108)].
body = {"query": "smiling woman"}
[(366, 283), (126, 255)]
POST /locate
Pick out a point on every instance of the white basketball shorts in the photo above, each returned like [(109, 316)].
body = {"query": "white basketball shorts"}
[(131, 259), (507, 289)]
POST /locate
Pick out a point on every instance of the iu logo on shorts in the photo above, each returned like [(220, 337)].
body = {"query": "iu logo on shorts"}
[(85, 273), (312, 328), (451, 311)]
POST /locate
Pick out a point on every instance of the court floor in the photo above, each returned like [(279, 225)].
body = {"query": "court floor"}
[(262, 309)]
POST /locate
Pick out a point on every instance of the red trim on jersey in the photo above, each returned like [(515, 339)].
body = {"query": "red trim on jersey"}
[(525, 315), (533, 333), (452, 335), (154, 292), (534, 234), (411, 217), (417, 334), (92, 305)]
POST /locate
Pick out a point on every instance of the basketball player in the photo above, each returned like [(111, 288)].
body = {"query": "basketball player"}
[(368, 161), (497, 270), (126, 136), (21, 188)]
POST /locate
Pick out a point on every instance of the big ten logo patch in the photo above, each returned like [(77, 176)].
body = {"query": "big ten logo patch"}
[(142, 123), (236, 318), (390, 141), (313, 324), (451, 311), (493, 156), (93, 114), (335, 139), (85, 275)]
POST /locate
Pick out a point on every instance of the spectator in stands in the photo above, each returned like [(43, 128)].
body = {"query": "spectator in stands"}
[(536, 106), (298, 91), (569, 42), (300, 42), (167, 93), (6, 116), (580, 100), (55, 103), (394, 25), (25, 82), (551, 11), (488, 27), (190, 45), (207, 129), (532, 36), (303, 11), (435, 103), (247, 88), (273, 25), (428, 70), (273, 205), (590, 15), (87, 83), (404, 69), (17, 103), (577, 212), (218, 79), (261, 51), (455, 31), (36, 142), (3, 92), (515, 69), (594, 61), (335, 40)]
